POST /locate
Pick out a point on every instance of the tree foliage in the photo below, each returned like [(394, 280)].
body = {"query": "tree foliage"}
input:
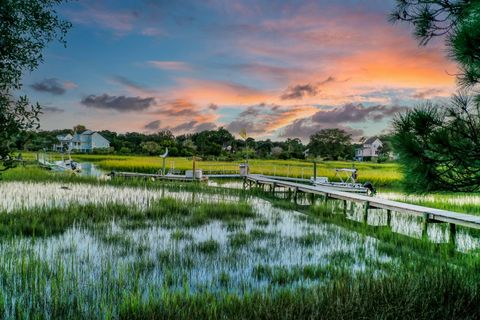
[(151, 147), (26, 27), (439, 147), (458, 21), (331, 144)]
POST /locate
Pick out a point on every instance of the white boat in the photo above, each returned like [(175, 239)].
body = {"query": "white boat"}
[(61, 165), (347, 182), (66, 165)]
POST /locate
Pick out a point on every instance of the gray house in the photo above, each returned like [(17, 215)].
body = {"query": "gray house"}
[(86, 141), (368, 149)]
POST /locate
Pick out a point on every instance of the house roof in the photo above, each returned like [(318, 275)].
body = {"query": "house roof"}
[(76, 138), (88, 132), (370, 140), (66, 137)]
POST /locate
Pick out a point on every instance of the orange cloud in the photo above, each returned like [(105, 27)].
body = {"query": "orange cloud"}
[(219, 92)]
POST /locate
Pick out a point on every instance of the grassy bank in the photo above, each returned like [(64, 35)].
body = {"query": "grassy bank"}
[(385, 174)]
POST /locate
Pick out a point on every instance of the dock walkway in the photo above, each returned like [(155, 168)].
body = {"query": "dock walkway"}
[(429, 214)]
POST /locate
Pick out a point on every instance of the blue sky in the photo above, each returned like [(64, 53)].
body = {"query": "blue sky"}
[(276, 68)]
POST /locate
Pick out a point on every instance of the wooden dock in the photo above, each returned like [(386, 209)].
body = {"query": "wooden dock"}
[(430, 215), (154, 176), (170, 177)]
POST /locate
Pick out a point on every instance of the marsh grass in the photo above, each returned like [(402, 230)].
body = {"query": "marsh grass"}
[(181, 235), (281, 275), (47, 221), (381, 174), (207, 247), (239, 239), (366, 271), (430, 294)]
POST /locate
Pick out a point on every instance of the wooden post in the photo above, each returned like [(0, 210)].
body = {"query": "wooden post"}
[(193, 167), (312, 198), (366, 206), (345, 207), (314, 170), (452, 236), (274, 185), (425, 226), (389, 217), (295, 195)]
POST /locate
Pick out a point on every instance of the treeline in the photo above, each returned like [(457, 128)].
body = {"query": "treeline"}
[(331, 144)]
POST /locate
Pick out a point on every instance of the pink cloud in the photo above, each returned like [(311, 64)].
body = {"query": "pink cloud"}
[(171, 65), (121, 22)]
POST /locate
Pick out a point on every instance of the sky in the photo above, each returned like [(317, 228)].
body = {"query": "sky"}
[(278, 69)]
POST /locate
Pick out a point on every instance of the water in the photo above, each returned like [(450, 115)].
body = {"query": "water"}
[(276, 249), (90, 169)]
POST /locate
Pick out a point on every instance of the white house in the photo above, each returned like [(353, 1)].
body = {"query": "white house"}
[(369, 149), (83, 142)]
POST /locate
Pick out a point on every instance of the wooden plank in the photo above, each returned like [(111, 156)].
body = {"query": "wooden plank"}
[(433, 214)]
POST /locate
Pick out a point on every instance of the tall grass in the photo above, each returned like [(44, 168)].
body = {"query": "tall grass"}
[(450, 201), (433, 293), (385, 174), (369, 271), (45, 221)]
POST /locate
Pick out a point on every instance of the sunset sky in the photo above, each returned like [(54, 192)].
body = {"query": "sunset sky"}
[(276, 68)]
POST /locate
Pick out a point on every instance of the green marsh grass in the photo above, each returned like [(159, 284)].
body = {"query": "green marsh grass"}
[(181, 262), (49, 221), (381, 174)]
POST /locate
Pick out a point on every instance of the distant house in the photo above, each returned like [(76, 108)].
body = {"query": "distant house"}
[(86, 141), (368, 149)]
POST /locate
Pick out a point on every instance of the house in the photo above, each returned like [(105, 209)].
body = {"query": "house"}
[(368, 149), (86, 141)]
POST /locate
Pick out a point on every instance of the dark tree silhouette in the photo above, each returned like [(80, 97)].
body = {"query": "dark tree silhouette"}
[(26, 27)]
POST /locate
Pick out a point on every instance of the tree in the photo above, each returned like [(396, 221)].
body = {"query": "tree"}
[(26, 27), (165, 138), (79, 128), (384, 152), (151, 147), (439, 147), (276, 152), (331, 144), (189, 147), (294, 148), (455, 20), (211, 142)]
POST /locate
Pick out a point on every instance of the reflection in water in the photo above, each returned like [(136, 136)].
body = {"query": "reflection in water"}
[(25, 196), (216, 256), (91, 170)]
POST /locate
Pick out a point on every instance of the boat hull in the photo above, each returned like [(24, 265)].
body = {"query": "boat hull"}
[(343, 187)]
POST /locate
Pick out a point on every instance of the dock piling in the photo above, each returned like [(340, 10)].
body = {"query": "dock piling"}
[(425, 226), (366, 206), (389, 217), (452, 236)]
